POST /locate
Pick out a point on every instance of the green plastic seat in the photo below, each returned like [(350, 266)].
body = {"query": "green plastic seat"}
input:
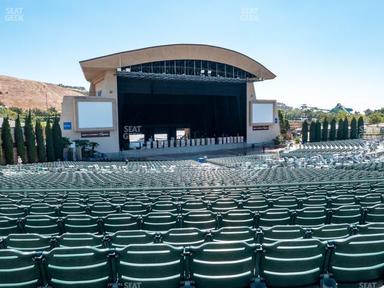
[(72, 209), (331, 232), (274, 216), (371, 228), (28, 242), (223, 205), (45, 225), (78, 267), (81, 224), (124, 238), (234, 234), (256, 204), (358, 259), (151, 265), (8, 226), (134, 208), (311, 216), (100, 209), (292, 263), (289, 202), (79, 240), (238, 217), (344, 200), (193, 205), (203, 220), (183, 237), (282, 232), (43, 209), (13, 210), (375, 214), (165, 206), (119, 222), (160, 221), (315, 201), (347, 214), (18, 269), (222, 265)]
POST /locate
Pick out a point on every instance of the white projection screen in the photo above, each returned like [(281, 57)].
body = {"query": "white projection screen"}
[(94, 115), (262, 113)]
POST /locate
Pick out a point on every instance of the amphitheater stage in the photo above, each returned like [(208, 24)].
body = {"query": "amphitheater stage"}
[(186, 152)]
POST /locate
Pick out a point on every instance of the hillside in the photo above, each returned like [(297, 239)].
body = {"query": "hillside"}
[(28, 94)]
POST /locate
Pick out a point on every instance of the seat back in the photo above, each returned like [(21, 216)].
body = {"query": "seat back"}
[(359, 258), (220, 264), (203, 220), (160, 221), (28, 242), (307, 259), (78, 267), (234, 234), (152, 265), (18, 269), (42, 224), (124, 238), (183, 237), (119, 222)]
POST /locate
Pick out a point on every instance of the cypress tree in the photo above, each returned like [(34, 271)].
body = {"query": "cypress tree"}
[(286, 125), (19, 140), (49, 142), (304, 131), (30, 139), (345, 128), (312, 131), (318, 131), (332, 131), (353, 128), (1, 150), (57, 139), (283, 129), (41, 155), (340, 126), (7, 141), (360, 127), (324, 134)]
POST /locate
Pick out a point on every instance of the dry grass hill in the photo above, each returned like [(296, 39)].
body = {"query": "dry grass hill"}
[(28, 94)]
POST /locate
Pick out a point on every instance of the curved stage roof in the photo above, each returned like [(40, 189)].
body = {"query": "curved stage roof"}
[(96, 67)]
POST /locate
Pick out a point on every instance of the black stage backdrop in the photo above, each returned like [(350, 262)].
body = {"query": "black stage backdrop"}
[(207, 108)]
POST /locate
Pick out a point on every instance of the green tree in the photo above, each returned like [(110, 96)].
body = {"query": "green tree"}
[(312, 132), (353, 128), (286, 125), (41, 154), (283, 129), (340, 126), (7, 141), (332, 131), (345, 128), (360, 127), (324, 134), (304, 131), (1, 149), (318, 131), (30, 139), (19, 140), (57, 139), (49, 142), (376, 118)]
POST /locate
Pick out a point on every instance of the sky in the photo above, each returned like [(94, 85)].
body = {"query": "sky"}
[(323, 51)]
